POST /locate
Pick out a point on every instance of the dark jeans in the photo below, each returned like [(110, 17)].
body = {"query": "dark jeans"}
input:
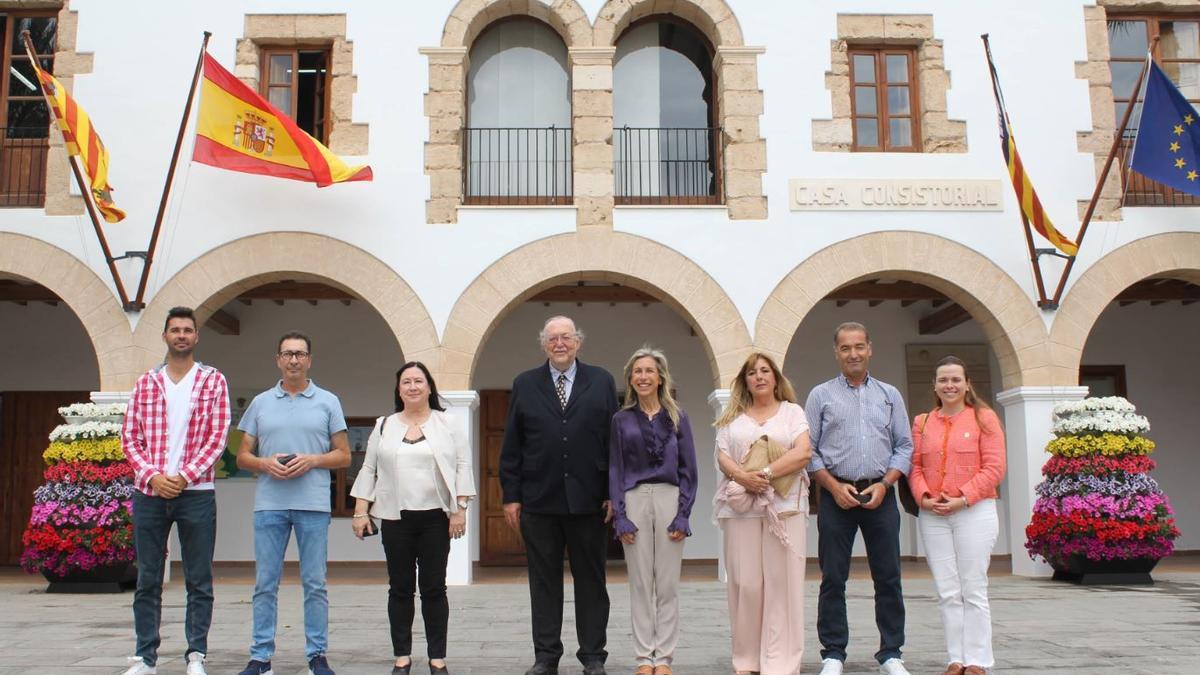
[(418, 542), (836, 529), (546, 538), (195, 513)]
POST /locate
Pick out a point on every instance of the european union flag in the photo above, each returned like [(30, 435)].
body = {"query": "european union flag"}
[(1167, 148)]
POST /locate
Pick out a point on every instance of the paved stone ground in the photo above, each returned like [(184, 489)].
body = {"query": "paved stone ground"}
[(1040, 627)]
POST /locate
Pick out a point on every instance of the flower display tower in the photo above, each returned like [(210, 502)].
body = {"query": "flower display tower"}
[(80, 533), (1100, 518)]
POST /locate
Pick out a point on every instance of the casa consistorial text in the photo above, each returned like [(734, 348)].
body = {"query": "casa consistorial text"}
[(893, 194)]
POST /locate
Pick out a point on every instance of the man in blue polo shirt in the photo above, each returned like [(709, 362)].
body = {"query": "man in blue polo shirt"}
[(300, 434)]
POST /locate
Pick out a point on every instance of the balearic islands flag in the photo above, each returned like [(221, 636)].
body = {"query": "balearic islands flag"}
[(237, 129), (82, 141)]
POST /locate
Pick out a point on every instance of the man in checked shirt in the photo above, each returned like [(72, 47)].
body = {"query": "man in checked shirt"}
[(861, 446), (174, 431)]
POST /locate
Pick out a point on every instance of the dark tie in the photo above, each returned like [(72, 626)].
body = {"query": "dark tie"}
[(561, 387)]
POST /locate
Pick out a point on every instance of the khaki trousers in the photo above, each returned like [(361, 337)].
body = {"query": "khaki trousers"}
[(654, 563), (766, 594)]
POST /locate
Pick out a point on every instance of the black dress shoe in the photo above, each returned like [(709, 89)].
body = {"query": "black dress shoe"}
[(402, 670), (542, 669), (594, 668), (438, 670)]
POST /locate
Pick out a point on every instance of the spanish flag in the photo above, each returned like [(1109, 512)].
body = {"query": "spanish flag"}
[(239, 130), (82, 141)]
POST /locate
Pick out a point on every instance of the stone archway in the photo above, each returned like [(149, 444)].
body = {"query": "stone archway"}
[(216, 277), (84, 292), (623, 258), (1175, 255), (1006, 314), (469, 17), (713, 18)]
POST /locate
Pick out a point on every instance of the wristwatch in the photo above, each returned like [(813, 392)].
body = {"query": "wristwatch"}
[(767, 472), (886, 483), (462, 504)]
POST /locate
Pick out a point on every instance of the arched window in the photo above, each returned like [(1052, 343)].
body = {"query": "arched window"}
[(665, 138), (518, 138)]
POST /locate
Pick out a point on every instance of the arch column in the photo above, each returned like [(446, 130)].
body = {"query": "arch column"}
[(464, 406), (592, 122)]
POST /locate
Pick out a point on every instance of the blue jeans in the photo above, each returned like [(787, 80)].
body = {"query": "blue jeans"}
[(195, 514), (836, 530), (272, 529)]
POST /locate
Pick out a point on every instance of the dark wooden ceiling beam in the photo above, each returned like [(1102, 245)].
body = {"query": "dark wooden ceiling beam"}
[(12, 291), (898, 290), (581, 294), (943, 320), (293, 290), (224, 323)]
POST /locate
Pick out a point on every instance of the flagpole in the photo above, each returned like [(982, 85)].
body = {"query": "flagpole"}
[(1112, 153), (1043, 301), (85, 189), (162, 204)]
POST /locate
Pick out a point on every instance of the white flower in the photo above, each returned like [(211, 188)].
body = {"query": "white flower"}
[(1113, 403), (73, 432), (92, 409), (1100, 422)]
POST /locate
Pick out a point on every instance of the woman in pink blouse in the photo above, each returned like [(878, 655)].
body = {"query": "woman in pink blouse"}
[(958, 462), (764, 531)]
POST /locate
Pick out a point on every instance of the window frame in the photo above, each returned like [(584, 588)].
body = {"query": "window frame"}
[(8, 57), (265, 86), (879, 54)]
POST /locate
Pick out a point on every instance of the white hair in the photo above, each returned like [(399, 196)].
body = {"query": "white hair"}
[(542, 337)]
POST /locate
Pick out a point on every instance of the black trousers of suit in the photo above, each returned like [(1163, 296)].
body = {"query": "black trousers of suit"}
[(583, 537), (419, 541)]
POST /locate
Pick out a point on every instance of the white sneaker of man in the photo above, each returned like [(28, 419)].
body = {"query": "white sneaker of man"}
[(140, 667), (831, 667), (195, 662), (893, 666)]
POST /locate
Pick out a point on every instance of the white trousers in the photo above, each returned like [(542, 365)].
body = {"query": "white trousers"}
[(766, 594), (653, 561), (958, 548)]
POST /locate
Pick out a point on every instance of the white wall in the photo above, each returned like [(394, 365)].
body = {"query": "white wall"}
[(45, 348), (613, 333), (1162, 367)]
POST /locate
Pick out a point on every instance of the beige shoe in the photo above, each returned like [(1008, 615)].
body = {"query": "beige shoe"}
[(954, 669), (662, 670), (975, 670), (644, 670)]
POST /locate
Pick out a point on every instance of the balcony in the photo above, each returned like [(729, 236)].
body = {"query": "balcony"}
[(23, 167), (659, 166), (1141, 191), (517, 166)]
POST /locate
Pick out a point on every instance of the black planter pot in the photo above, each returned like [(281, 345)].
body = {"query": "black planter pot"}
[(1080, 570), (105, 579)]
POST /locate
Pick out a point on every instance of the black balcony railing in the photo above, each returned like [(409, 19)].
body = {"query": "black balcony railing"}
[(517, 166), (23, 167), (667, 166), (1142, 191)]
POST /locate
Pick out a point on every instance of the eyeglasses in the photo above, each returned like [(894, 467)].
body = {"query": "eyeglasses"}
[(564, 338), (289, 355)]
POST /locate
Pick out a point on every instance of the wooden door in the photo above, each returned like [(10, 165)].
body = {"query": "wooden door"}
[(26, 419), (501, 545)]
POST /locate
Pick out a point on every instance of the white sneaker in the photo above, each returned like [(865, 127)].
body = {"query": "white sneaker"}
[(893, 666), (196, 664), (140, 667), (831, 667)]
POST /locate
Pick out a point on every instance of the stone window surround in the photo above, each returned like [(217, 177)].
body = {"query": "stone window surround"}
[(591, 50), (326, 31), (1095, 70), (939, 134)]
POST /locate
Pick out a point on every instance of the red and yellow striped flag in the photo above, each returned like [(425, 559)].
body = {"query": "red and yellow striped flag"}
[(82, 141), (237, 129)]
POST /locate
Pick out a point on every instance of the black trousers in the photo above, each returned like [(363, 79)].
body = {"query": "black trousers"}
[(418, 542), (836, 529), (583, 537)]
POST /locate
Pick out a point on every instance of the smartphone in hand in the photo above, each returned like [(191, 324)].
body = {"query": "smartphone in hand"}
[(863, 498), (284, 459), (370, 530)]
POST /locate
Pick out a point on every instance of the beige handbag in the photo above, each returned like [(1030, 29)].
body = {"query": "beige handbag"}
[(762, 452)]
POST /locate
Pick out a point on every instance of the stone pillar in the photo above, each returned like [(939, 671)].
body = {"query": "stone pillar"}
[(739, 104), (718, 399), (592, 132), (1027, 420), (445, 106), (464, 406)]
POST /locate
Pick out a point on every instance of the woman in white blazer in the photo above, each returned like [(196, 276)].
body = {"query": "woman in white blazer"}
[(417, 479)]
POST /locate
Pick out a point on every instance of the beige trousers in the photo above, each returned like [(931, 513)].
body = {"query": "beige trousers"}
[(766, 594), (654, 563)]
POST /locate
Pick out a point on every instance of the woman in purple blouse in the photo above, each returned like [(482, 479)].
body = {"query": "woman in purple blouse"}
[(652, 484)]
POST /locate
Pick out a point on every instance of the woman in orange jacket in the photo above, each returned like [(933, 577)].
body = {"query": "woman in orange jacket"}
[(958, 462)]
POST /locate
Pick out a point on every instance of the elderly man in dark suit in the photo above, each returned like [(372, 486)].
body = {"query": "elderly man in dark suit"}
[(554, 472)]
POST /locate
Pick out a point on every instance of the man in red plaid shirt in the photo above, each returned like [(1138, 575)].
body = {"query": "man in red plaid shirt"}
[(174, 432)]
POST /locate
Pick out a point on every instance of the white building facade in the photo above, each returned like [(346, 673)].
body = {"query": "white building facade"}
[(714, 177)]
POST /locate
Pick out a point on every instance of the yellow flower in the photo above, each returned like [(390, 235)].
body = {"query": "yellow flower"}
[(1110, 445), (91, 450)]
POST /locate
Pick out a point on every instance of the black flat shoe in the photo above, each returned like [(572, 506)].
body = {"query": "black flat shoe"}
[(438, 670), (402, 670)]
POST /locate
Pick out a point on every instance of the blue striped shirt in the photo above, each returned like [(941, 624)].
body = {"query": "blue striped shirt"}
[(858, 432)]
